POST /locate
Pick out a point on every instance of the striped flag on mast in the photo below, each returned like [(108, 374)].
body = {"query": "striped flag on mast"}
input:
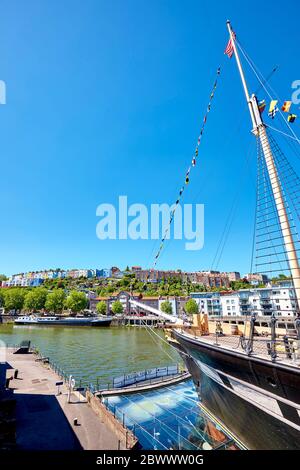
[(229, 48)]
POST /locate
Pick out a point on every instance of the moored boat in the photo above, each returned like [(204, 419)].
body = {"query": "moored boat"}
[(60, 320)]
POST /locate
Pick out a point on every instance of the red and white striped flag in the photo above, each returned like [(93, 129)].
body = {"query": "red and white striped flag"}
[(229, 48)]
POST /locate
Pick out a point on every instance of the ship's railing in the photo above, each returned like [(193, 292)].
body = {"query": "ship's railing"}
[(287, 347), (284, 347)]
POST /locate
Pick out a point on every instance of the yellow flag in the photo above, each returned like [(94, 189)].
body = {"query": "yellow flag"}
[(272, 105), (291, 117), (286, 106)]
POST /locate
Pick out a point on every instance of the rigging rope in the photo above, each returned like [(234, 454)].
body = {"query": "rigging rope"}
[(284, 133), (230, 218), (150, 331), (262, 81), (187, 174), (265, 81)]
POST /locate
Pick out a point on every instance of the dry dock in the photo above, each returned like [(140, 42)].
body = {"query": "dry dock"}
[(45, 420)]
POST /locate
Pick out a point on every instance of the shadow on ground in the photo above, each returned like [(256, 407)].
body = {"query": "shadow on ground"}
[(42, 424)]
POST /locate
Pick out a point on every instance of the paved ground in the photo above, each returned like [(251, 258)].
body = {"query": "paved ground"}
[(45, 420)]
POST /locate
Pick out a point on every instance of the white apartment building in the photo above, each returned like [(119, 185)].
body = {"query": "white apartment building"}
[(262, 302)]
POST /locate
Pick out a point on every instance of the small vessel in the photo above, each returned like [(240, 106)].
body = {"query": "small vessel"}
[(66, 321)]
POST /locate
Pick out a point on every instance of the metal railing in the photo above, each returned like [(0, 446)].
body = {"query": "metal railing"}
[(137, 379), (270, 346), (98, 384)]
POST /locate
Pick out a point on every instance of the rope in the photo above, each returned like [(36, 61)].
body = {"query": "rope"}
[(284, 133), (231, 215), (262, 82), (187, 174), (150, 331)]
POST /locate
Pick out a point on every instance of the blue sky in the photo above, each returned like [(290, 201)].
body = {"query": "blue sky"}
[(106, 98)]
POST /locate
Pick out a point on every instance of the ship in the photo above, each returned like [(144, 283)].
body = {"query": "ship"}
[(65, 321), (248, 380)]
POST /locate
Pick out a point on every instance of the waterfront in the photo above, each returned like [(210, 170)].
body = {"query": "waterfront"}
[(94, 353)]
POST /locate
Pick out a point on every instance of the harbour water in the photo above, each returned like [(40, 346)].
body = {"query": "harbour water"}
[(94, 353)]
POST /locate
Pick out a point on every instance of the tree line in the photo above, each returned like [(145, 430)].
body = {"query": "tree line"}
[(39, 298), (55, 301)]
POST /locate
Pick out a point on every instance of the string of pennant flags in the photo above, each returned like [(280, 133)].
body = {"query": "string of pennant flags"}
[(192, 164)]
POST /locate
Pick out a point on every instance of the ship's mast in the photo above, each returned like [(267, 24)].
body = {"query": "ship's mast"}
[(259, 130)]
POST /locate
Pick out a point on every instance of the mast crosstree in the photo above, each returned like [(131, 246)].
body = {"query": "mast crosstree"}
[(259, 130)]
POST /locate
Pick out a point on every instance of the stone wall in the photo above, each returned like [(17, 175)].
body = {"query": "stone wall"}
[(127, 439)]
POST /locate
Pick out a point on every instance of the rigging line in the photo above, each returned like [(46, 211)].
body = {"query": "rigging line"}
[(266, 80), (231, 216), (290, 142), (267, 248), (272, 254), (274, 238), (255, 213), (255, 70), (227, 223), (283, 133), (292, 145), (278, 154), (155, 334), (295, 206), (282, 158), (164, 341), (267, 186)]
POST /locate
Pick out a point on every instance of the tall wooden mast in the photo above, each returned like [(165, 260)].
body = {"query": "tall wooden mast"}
[(259, 130)]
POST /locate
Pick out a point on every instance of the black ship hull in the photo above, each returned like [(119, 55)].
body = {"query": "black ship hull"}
[(258, 401)]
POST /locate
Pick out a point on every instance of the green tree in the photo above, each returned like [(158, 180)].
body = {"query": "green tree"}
[(166, 307), (35, 299), (241, 284), (14, 299), (191, 307), (55, 301), (3, 277), (117, 307), (101, 308), (76, 301), (1, 298), (110, 289)]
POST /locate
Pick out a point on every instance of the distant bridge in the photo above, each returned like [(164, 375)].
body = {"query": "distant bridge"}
[(156, 311)]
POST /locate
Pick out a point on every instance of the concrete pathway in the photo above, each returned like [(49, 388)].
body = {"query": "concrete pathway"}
[(45, 419)]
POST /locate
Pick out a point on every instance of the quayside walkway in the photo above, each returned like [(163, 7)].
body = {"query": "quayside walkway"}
[(45, 420)]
